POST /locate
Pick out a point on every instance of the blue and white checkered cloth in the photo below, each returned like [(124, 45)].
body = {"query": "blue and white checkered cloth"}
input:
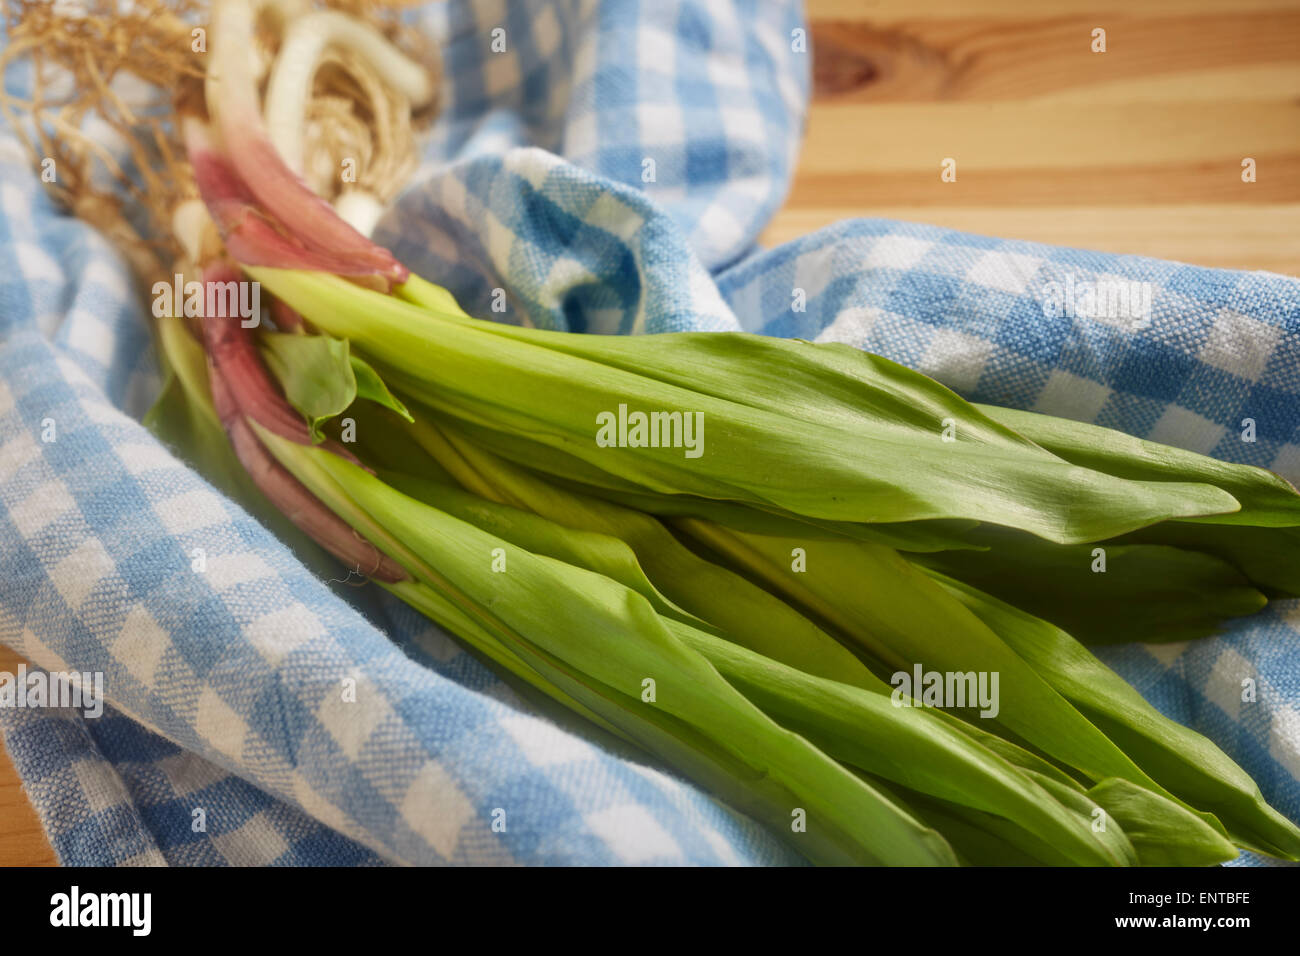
[(610, 170)]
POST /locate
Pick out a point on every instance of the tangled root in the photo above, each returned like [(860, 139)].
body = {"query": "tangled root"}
[(111, 72)]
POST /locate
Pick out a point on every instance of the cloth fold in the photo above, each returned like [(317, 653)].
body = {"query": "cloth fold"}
[(312, 725)]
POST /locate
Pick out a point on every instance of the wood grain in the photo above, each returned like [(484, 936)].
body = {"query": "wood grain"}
[(22, 841), (1138, 149), (977, 58)]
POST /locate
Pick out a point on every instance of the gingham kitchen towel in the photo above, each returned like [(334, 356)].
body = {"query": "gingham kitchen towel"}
[(609, 166)]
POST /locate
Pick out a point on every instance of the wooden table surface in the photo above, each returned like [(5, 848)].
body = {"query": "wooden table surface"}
[(1137, 149)]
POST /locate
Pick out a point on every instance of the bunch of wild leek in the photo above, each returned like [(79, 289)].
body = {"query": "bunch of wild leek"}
[(740, 615), (746, 558)]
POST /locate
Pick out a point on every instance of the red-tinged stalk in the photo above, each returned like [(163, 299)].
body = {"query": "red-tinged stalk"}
[(286, 317), (233, 352), (251, 237), (232, 101), (243, 391), (292, 499)]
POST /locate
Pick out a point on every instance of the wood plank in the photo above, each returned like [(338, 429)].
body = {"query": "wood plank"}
[(892, 11), (1210, 180), (1222, 236), (1265, 81), (866, 139), (978, 58)]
